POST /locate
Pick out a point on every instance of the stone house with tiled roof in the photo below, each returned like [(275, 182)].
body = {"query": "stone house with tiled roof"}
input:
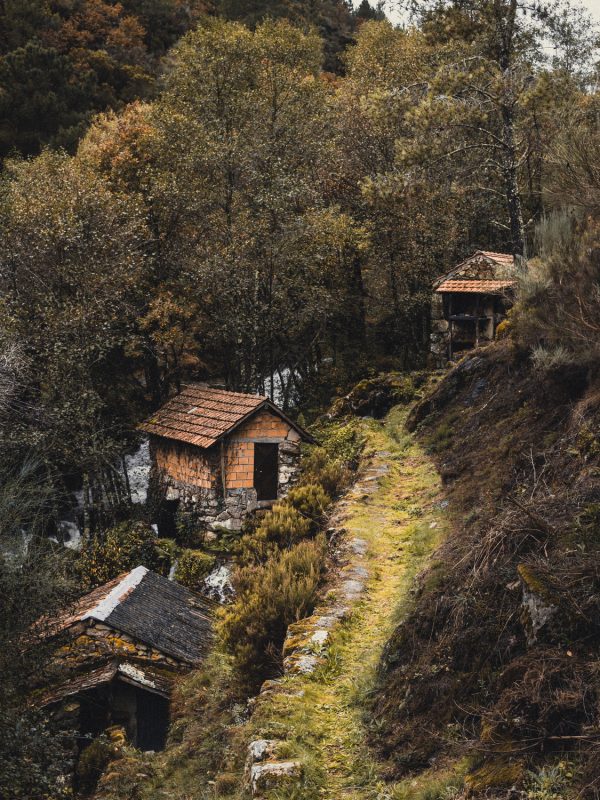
[(469, 302), (222, 453)]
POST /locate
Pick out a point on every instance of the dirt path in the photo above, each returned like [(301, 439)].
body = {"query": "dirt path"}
[(393, 519)]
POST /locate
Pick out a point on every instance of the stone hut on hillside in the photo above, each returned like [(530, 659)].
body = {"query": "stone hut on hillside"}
[(117, 653), (469, 303), (222, 453)]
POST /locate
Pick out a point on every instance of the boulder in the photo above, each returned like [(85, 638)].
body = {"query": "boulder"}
[(274, 774)]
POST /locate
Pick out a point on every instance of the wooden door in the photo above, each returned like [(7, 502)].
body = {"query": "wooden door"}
[(266, 470)]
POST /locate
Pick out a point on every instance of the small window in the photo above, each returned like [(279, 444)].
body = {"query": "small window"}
[(266, 471)]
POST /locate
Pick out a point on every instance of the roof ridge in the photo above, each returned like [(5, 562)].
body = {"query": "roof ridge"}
[(212, 389), (107, 605)]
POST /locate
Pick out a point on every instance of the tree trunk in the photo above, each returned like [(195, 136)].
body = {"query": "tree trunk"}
[(513, 196)]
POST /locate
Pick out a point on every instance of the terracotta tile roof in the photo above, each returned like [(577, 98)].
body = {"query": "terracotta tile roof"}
[(476, 286), (501, 258), (483, 265), (200, 415)]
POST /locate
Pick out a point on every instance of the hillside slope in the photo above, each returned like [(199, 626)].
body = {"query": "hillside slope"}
[(498, 664)]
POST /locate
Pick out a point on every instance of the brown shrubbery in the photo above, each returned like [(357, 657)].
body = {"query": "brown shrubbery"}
[(269, 598), (499, 656), (282, 560)]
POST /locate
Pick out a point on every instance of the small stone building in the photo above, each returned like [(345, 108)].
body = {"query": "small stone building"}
[(117, 652), (469, 303), (222, 453)]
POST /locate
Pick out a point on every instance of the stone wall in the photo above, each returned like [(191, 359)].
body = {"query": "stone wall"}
[(440, 332), (93, 641)]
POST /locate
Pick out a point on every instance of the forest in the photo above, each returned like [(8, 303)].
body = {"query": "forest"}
[(260, 195)]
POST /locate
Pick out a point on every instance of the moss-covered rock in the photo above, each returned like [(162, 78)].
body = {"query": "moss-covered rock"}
[(373, 397)]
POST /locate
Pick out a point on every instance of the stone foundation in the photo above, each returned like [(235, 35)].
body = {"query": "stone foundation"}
[(213, 510), (439, 338)]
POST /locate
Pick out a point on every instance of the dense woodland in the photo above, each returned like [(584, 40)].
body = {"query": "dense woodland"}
[(258, 194)]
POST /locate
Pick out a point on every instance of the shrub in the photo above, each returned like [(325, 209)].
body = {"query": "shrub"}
[(547, 360), (311, 501), (190, 530), (118, 550), (35, 762), (282, 527), (551, 782), (92, 764), (343, 442), (192, 567), (269, 598), (319, 468), (166, 555), (557, 316)]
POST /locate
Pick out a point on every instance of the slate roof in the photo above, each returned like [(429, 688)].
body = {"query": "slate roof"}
[(149, 608), (200, 415), (144, 676), (485, 272)]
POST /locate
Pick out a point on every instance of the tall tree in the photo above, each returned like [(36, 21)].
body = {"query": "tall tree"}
[(61, 62), (477, 112), (72, 262), (413, 224), (230, 166)]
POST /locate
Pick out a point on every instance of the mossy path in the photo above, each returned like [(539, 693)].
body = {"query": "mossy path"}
[(393, 519)]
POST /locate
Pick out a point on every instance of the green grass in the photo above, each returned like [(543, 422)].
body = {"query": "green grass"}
[(402, 524)]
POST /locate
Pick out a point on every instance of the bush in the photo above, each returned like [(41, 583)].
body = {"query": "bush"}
[(92, 764), (342, 441), (557, 316), (281, 527), (269, 598), (166, 554), (190, 530), (548, 360), (120, 549), (35, 762), (318, 467), (311, 501), (192, 568)]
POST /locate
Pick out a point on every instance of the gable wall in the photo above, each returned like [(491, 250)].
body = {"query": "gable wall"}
[(263, 427)]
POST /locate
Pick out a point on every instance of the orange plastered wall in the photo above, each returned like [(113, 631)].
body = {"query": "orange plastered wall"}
[(184, 463), (240, 454)]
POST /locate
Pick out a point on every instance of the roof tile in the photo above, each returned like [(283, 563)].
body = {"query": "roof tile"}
[(200, 415), (476, 286)]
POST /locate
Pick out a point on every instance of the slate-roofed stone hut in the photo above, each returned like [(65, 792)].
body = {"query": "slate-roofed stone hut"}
[(223, 453), (117, 652), (469, 302)]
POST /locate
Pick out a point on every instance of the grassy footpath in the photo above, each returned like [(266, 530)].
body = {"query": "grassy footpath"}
[(319, 716)]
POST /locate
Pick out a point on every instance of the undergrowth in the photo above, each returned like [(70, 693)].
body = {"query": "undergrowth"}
[(503, 643), (281, 560)]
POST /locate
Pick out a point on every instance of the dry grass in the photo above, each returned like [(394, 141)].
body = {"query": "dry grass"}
[(522, 479)]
